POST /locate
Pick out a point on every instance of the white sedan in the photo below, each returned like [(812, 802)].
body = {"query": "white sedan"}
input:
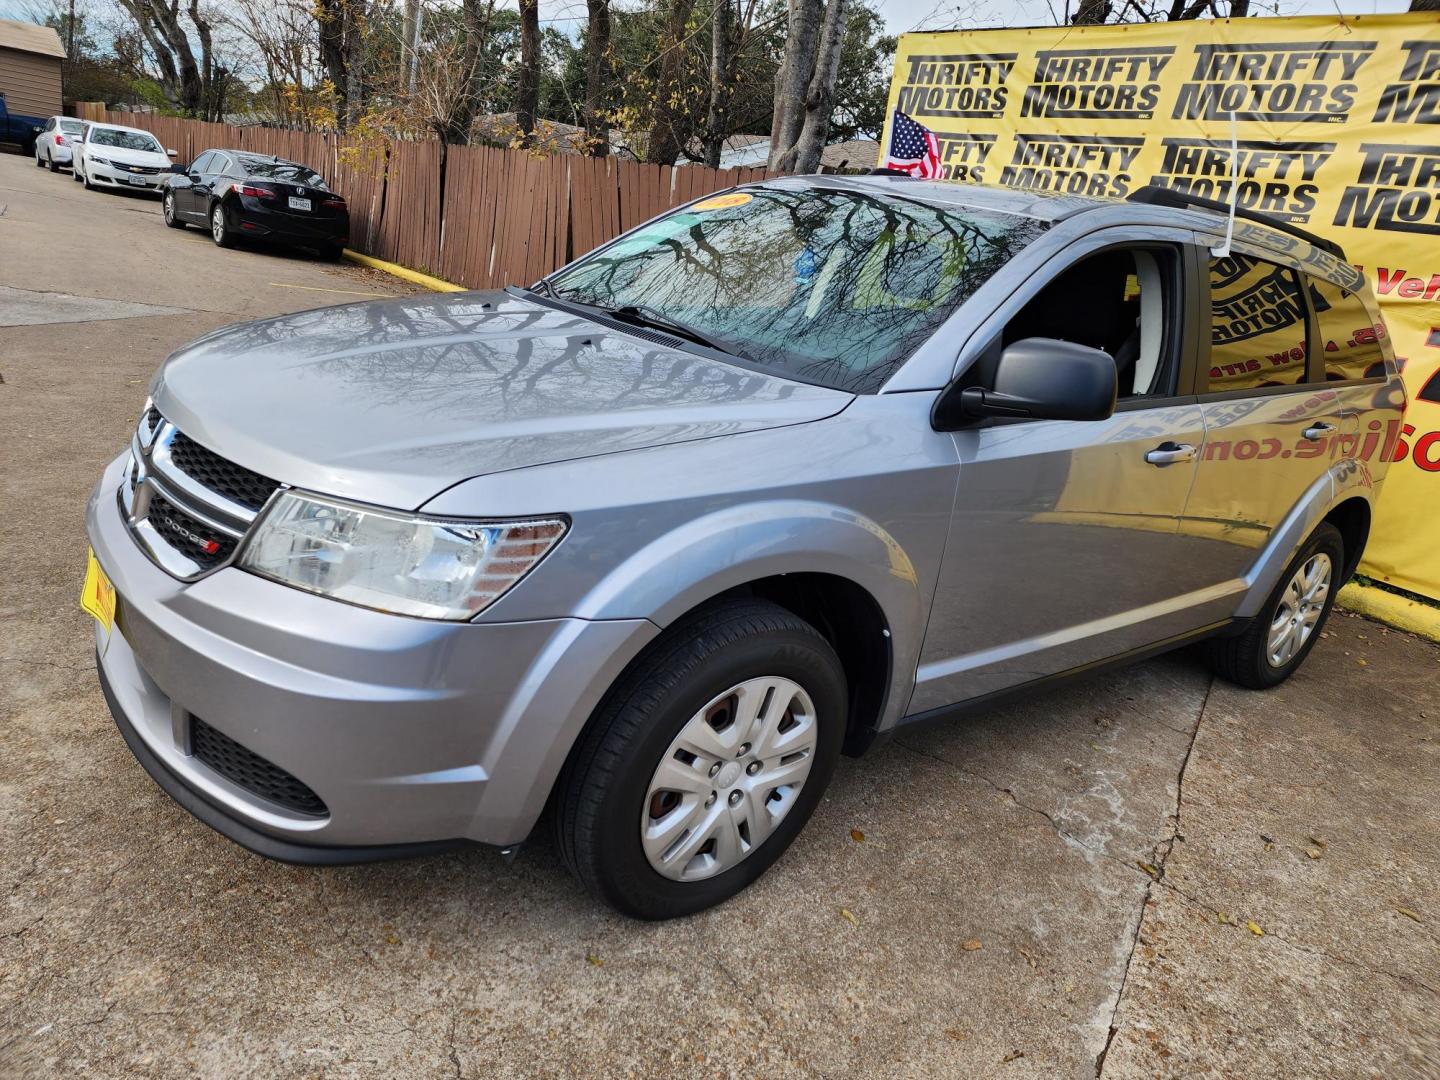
[(120, 157), (56, 141)]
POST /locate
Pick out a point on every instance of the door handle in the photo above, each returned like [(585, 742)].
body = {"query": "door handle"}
[(1170, 453), (1316, 432)]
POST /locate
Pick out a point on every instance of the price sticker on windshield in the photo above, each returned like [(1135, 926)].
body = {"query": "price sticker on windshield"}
[(723, 202)]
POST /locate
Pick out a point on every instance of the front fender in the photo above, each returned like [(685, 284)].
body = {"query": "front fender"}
[(709, 555)]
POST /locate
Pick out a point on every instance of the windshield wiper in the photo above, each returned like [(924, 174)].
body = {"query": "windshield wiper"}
[(636, 315), (641, 315)]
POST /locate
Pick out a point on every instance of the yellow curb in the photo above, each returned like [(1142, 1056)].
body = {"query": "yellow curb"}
[(434, 284), (1394, 610)]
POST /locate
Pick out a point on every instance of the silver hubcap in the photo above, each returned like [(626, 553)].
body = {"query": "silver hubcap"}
[(1300, 608), (217, 224), (169, 208), (729, 778)]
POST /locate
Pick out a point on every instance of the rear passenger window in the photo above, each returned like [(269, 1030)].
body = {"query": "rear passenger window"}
[(1257, 325), (202, 162), (1348, 337)]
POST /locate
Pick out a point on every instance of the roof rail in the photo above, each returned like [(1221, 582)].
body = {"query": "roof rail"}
[(1156, 195)]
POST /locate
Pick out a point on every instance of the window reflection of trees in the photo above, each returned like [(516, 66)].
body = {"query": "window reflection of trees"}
[(833, 287)]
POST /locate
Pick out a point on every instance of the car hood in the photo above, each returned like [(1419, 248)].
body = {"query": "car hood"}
[(129, 157), (392, 401)]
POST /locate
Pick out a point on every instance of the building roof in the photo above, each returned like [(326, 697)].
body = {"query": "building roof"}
[(30, 37)]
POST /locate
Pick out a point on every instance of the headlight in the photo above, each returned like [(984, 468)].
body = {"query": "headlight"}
[(404, 563), (99, 160)]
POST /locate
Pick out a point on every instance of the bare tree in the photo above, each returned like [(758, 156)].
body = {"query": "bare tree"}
[(341, 25), (597, 78), (527, 90), (1425, 5), (805, 84), (668, 133), (195, 86)]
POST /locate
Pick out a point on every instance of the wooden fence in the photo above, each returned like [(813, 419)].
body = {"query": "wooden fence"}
[(475, 215)]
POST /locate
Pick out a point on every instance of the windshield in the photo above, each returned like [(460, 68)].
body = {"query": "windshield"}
[(124, 140), (832, 287), (286, 171)]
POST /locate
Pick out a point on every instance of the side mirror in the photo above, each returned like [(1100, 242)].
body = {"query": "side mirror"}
[(1037, 379), (172, 153)]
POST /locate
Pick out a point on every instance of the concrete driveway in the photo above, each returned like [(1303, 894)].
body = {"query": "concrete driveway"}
[(1151, 873)]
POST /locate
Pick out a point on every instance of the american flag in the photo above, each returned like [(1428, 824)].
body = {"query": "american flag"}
[(913, 148)]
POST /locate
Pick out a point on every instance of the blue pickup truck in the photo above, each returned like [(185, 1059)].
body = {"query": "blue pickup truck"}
[(18, 128)]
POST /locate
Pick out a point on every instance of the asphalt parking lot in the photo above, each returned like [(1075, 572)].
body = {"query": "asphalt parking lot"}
[(1149, 873)]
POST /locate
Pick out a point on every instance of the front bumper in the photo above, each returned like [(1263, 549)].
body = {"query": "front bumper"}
[(109, 175), (411, 731)]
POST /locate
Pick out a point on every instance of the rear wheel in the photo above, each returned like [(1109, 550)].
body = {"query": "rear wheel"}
[(705, 761), (39, 164), (331, 252), (167, 209), (1289, 625), (50, 160), (220, 227)]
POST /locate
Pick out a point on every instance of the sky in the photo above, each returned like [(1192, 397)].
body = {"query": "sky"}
[(904, 15)]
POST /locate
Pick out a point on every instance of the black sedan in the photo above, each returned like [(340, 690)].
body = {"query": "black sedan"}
[(238, 193)]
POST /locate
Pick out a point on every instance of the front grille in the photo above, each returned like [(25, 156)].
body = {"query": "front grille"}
[(208, 468), (151, 420), (204, 546), (247, 769)]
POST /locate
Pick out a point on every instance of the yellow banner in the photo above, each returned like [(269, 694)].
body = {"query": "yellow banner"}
[(1339, 132)]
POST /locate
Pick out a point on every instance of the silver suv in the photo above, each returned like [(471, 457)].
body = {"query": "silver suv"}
[(758, 483)]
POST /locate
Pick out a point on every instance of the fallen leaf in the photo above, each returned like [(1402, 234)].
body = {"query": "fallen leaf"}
[(1270, 846), (1012, 1056), (1029, 959), (1147, 868), (1318, 842), (956, 1034), (971, 945), (1408, 913), (592, 958), (846, 913), (1254, 928), (857, 836), (1314, 853), (1362, 662), (1225, 919)]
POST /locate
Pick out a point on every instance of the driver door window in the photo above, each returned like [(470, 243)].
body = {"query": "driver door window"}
[(1115, 300)]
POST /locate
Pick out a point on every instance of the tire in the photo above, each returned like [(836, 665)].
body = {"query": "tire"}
[(50, 160), (331, 252), (75, 173), (167, 211), (38, 163), (220, 227), (608, 788), (86, 181), (1247, 659)]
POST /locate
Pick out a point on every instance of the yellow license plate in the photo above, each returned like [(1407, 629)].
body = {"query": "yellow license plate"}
[(98, 595)]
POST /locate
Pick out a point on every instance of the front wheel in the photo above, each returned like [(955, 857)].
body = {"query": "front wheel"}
[(167, 210), (220, 228), (1289, 625), (705, 761)]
